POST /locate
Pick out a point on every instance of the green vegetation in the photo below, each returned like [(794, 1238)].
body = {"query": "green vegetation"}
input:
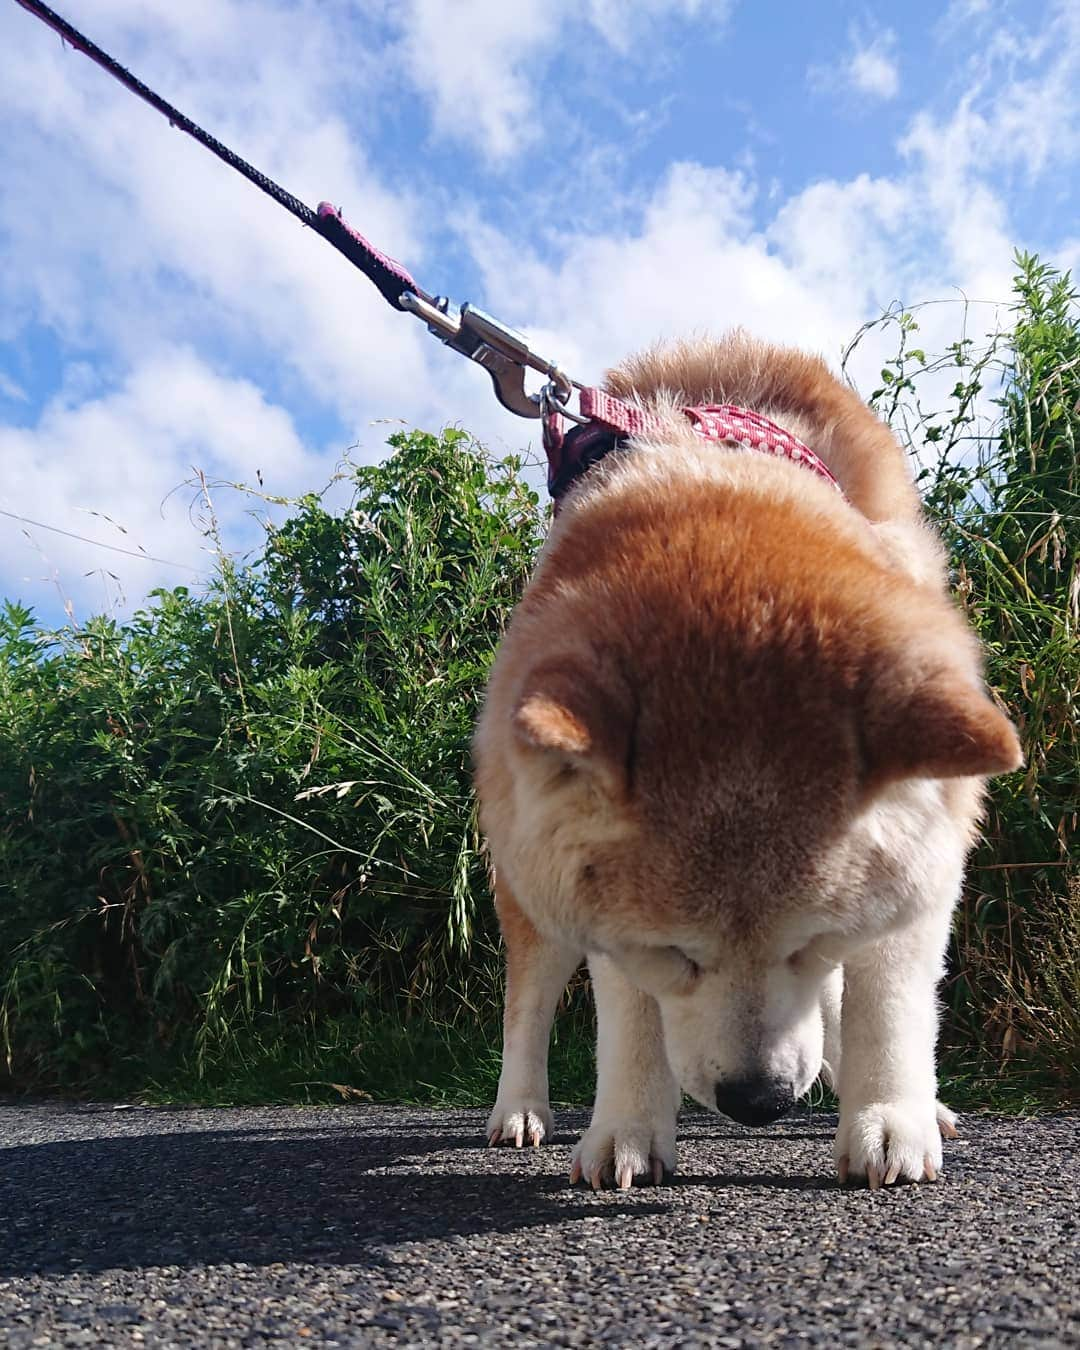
[(238, 852), (239, 826), (1005, 491)]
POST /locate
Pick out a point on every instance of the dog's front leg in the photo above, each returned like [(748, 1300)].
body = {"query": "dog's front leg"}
[(831, 1001), (632, 1133), (889, 1129), (537, 971)]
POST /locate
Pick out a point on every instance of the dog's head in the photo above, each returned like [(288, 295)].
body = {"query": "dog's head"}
[(719, 763)]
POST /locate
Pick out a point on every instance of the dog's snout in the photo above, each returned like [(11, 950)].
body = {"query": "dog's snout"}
[(756, 1100)]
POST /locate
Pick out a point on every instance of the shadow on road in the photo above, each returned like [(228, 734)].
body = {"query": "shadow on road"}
[(202, 1198)]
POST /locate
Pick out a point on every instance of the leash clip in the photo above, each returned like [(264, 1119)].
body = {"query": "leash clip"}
[(502, 351)]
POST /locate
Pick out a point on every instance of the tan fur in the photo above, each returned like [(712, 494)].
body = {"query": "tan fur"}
[(735, 716)]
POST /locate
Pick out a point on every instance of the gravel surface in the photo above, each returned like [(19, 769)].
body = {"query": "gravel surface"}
[(371, 1226)]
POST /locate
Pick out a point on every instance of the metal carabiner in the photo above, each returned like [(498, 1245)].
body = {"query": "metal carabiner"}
[(502, 351)]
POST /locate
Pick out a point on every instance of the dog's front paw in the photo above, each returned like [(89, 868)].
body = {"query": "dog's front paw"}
[(885, 1142), (516, 1119), (619, 1150)]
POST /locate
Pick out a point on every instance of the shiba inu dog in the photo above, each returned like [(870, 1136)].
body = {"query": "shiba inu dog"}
[(732, 752)]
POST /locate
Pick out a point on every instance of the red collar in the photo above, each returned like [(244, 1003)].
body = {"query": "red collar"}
[(610, 422)]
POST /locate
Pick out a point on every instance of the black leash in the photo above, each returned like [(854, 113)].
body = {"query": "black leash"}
[(389, 276)]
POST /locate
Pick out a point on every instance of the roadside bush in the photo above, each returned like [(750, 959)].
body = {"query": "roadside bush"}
[(995, 429), (250, 810)]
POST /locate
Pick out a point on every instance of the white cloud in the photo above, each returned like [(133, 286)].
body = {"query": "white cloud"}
[(848, 239), (125, 238), (162, 208), (106, 467), (1022, 109), (829, 258), (826, 258), (963, 11), (470, 58), (871, 70), (11, 390), (623, 24), (1021, 112), (481, 63)]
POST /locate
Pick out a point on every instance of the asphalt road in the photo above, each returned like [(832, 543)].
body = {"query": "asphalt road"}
[(366, 1226)]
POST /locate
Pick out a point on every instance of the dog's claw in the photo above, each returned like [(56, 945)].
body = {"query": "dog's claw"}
[(888, 1142), (575, 1173), (842, 1166), (511, 1127), (626, 1154)]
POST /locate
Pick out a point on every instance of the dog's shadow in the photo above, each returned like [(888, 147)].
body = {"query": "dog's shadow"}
[(339, 1190), (340, 1195)]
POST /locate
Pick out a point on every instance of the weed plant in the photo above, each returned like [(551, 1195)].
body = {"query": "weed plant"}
[(243, 820), (238, 850), (994, 428)]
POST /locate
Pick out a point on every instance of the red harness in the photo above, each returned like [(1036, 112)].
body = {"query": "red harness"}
[(610, 422)]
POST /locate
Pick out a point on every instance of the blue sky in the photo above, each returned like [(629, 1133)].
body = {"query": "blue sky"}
[(600, 174)]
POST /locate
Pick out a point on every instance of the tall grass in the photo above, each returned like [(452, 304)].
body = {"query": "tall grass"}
[(994, 427), (247, 815), (238, 850)]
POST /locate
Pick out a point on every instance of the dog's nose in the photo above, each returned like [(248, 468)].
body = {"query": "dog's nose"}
[(755, 1101)]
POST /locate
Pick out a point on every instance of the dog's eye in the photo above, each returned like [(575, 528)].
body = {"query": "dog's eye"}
[(659, 969), (690, 966), (811, 956), (678, 967)]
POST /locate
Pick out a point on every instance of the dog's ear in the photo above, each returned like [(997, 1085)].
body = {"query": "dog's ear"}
[(926, 715), (565, 710)]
